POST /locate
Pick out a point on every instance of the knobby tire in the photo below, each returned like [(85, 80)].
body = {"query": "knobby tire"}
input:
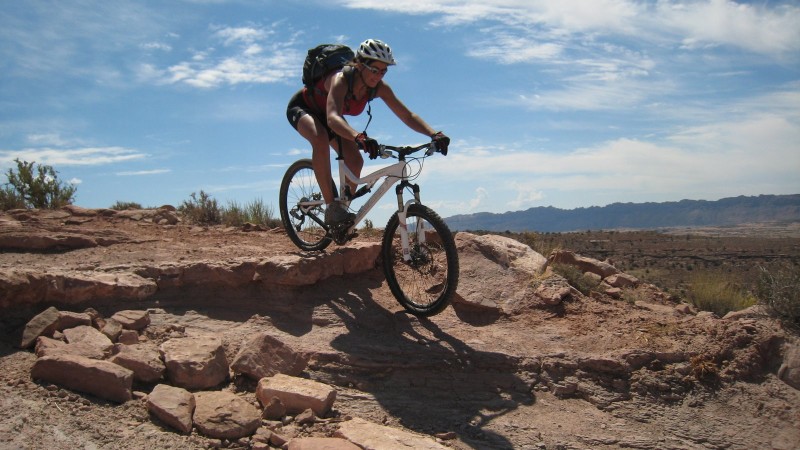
[(425, 284), (300, 183)]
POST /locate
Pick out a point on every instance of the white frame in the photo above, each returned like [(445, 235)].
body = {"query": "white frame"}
[(393, 173)]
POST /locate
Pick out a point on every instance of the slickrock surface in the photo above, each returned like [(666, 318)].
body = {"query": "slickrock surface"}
[(520, 360)]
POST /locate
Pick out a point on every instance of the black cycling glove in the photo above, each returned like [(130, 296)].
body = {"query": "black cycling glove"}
[(441, 141), (368, 145)]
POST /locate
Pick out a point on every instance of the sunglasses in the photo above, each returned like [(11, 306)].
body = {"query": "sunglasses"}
[(375, 70)]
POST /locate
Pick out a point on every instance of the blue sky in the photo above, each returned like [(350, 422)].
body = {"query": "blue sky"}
[(573, 103)]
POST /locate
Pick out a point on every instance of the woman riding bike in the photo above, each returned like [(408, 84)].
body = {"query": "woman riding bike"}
[(318, 115)]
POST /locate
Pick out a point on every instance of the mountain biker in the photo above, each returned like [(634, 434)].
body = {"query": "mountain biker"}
[(318, 115)]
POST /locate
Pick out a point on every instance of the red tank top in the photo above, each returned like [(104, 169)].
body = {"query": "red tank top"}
[(319, 99)]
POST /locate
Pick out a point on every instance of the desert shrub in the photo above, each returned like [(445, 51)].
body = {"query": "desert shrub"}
[(10, 199), (260, 213), (233, 215), (201, 209), (712, 291), (122, 206), (703, 368), (255, 212), (576, 278), (37, 186), (779, 289), (538, 243)]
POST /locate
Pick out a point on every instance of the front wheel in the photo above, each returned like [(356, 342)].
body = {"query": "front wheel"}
[(302, 207), (425, 282)]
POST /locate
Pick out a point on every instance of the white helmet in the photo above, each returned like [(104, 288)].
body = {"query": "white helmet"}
[(377, 50)]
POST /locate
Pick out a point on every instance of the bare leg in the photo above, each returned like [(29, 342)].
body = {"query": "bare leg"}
[(316, 134), (352, 159)]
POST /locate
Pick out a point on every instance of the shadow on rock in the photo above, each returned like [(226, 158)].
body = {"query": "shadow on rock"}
[(428, 379)]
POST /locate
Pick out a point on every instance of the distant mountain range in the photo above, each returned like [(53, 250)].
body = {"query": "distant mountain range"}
[(685, 213)]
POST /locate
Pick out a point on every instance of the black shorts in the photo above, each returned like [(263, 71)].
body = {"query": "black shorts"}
[(298, 108)]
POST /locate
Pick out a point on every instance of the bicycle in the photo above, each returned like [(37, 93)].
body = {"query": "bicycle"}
[(418, 251)]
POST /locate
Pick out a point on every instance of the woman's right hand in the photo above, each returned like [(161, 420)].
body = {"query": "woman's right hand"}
[(368, 145)]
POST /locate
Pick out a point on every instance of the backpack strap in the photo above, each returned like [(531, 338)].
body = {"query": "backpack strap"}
[(349, 74)]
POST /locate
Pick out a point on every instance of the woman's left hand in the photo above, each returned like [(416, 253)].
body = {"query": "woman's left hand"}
[(441, 141)]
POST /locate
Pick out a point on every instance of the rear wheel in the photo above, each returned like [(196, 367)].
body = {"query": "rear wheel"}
[(425, 283), (303, 223)]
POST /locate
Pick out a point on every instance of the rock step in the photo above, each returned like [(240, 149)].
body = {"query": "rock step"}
[(19, 287)]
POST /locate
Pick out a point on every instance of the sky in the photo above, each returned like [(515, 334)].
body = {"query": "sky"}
[(570, 104)]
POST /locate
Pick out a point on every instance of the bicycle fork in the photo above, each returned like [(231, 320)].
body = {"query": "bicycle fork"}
[(402, 210)]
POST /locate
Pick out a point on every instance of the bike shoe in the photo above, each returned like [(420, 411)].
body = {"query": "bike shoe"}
[(335, 213)]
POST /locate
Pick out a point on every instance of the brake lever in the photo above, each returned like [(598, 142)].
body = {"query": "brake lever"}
[(431, 149)]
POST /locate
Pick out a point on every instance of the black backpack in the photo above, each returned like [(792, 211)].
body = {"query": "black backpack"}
[(324, 59)]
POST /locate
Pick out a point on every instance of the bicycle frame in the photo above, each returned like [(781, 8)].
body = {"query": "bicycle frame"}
[(393, 174)]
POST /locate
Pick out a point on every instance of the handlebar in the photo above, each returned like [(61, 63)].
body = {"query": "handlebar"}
[(403, 151)]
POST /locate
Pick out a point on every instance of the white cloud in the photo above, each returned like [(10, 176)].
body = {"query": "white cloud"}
[(759, 153), (255, 60), (246, 35), (723, 22), (528, 194), (511, 49), (157, 46), (86, 156), (481, 195), (756, 28), (143, 172)]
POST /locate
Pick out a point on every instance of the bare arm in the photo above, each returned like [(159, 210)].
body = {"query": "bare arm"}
[(411, 119), (335, 105)]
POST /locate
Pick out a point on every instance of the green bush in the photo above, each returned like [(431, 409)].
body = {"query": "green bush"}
[(122, 206), (10, 199), (537, 242), (780, 291), (201, 210), (234, 215), (712, 291), (576, 278), (255, 212), (35, 186), (204, 210)]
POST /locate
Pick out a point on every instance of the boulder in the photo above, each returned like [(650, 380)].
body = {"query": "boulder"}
[(583, 263), (128, 337), (132, 320), (100, 378), (46, 346), (88, 336), (789, 371), (195, 362), (373, 436), (67, 319), (111, 328), (621, 280), (172, 405), (224, 415), (274, 409), (496, 272), (264, 356), (143, 360), (553, 290), (296, 394), (43, 324)]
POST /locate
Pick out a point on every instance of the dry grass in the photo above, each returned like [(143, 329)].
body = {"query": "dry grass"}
[(716, 292)]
